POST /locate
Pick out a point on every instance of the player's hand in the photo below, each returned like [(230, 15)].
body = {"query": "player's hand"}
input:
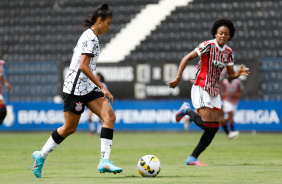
[(107, 95), (173, 83), (243, 71)]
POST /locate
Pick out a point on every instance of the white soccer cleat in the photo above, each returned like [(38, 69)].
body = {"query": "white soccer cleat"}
[(233, 134)]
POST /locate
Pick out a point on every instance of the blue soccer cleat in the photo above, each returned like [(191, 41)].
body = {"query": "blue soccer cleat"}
[(194, 161), (107, 166), (182, 111), (38, 162)]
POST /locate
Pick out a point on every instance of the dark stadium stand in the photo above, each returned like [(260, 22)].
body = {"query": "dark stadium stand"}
[(34, 81), (271, 79), (258, 30), (47, 30)]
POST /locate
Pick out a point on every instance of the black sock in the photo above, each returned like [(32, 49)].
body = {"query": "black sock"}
[(107, 133), (56, 137), (205, 141), (225, 128), (232, 127), (195, 118), (3, 113)]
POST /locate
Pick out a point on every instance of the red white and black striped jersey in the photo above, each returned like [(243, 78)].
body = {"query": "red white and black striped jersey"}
[(2, 66), (232, 90), (213, 59)]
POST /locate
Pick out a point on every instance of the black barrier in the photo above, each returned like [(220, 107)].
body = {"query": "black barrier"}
[(133, 80)]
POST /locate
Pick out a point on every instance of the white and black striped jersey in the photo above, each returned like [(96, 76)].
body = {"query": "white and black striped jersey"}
[(76, 82)]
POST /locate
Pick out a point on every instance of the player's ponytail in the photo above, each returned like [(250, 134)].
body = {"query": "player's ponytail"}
[(101, 11)]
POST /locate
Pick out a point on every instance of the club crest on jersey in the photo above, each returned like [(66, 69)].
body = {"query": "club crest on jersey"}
[(203, 46), (218, 63), (78, 106)]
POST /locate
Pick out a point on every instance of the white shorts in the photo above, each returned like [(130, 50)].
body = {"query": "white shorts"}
[(1, 97), (229, 107), (200, 98)]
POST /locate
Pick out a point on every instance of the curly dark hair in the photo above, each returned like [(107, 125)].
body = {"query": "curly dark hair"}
[(223, 22)]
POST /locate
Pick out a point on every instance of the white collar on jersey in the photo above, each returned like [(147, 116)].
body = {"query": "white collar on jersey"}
[(220, 48)]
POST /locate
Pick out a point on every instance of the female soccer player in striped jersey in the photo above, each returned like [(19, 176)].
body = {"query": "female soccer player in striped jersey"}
[(214, 56), (230, 92), (3, 110), (82, 88)]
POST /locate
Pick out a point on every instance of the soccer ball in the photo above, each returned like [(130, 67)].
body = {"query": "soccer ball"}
[(149, 166)]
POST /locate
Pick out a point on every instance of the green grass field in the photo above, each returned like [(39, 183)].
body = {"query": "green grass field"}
[(248, 159)]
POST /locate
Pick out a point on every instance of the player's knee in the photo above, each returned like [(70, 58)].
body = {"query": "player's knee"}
[(66, 131), (212, 128), (71, 130), (110, 119), (113, 118), (212, 131)]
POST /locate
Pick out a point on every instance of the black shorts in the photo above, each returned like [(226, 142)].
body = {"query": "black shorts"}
[(76, 104)]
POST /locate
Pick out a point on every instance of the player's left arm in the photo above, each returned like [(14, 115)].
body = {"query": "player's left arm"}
[(84, 67), (7, 84), (234, 75), (181, 68)]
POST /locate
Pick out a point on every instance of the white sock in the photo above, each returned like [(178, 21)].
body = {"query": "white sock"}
[(106, 146), (49, 146)]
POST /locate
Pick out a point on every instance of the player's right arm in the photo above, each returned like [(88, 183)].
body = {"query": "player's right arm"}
[(181, 68)]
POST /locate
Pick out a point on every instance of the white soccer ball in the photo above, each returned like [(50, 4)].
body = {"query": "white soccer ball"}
[(149, 166)]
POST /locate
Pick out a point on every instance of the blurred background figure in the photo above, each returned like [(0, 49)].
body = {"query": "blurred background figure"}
[(3, 110), (91, 121), (187, 122), (230, 92)]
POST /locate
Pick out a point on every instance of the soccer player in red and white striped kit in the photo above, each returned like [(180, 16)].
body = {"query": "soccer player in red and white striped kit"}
[(214, 56), (3, 110)]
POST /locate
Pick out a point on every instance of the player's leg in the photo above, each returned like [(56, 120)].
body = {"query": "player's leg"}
[(102, 108), (230, 108), (58, 135), (233, 133), (3, 111), (72, 112), (206, 118), (69, 127), (99, 126), (210, 128), (91, 123), (223, 122), (230, 120)]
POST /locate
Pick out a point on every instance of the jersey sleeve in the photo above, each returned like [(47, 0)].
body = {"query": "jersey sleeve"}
[(202, 48), (230, 60), (89, 47)]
